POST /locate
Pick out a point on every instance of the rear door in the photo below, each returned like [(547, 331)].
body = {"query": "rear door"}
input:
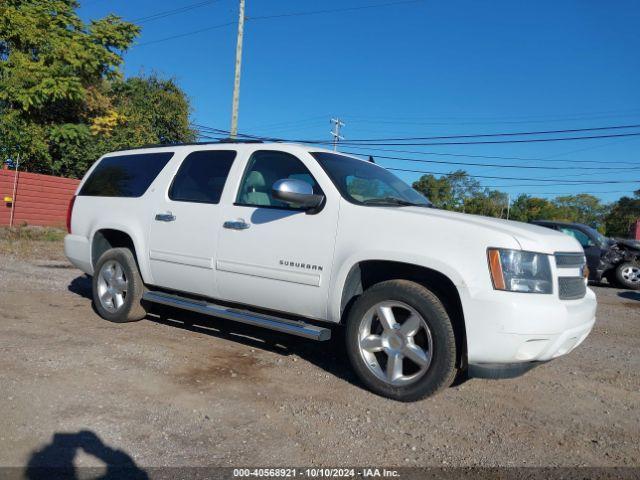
[(185, 223), (272, 255)]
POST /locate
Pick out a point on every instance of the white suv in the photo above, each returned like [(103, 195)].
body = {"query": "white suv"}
[(298, 239)]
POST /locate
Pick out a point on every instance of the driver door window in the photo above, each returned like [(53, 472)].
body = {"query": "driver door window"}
[(582, 237), (263, 170)]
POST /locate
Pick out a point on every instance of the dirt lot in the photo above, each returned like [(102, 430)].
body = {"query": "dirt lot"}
[(161, 392)]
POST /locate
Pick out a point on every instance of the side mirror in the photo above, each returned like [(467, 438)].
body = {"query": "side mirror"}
[(296, 193)]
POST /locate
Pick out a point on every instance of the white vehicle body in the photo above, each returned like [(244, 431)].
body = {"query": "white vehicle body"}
[(301, 263)]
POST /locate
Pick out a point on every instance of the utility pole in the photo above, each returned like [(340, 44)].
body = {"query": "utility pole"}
[(508, 205), (337, 124), (236, 82), (15, 189)]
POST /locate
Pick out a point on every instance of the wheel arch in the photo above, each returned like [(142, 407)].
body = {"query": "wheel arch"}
[(106, 238), (367, 273)]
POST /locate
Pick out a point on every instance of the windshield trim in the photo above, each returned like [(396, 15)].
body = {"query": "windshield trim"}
[(354, 201)]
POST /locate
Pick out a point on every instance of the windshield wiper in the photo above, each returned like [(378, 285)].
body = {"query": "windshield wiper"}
[(392, 201)]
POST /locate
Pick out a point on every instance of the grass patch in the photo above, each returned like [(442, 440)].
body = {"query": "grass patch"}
[(27, 233), (43, 243)]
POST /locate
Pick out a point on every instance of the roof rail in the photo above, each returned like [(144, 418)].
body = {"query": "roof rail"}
[(187, 144)]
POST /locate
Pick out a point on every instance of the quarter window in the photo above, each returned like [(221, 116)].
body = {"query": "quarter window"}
[(125, 175), (266, 167), (202, 176)]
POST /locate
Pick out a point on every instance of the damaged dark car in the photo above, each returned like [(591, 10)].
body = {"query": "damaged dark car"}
[(617, 260)]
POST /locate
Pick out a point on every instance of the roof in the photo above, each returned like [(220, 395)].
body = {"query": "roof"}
[(187, 144), (230, 141)]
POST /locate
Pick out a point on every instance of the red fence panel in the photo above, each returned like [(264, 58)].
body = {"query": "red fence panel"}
[(635, 230), (39, 199)]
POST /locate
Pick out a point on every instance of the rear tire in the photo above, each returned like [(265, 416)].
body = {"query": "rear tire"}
[(400, 341), (627, 275), (118, 287)]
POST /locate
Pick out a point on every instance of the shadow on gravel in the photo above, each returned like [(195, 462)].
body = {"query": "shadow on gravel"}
[(330, 355), (630, 295), (602, 284), (55, 460), (81, 286)]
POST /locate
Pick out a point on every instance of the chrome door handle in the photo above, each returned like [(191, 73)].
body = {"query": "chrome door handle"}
[(165, 217), (236, 225)]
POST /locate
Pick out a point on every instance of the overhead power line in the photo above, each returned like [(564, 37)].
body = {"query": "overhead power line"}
[(333, 10), (497, 120), (282, 15), (449, 154), (352, 143), (490, 157), (470, 164), (571, 193), (559, 183), (525, 179), (480, 142), (501, 134), (564, 182), (180, 35), (175, 11)]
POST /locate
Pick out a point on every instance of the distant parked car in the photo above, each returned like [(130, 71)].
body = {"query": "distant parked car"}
[(617, 260)]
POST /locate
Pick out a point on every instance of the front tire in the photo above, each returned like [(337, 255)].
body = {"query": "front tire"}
[(400, 341), (118, 287), (627, 275)]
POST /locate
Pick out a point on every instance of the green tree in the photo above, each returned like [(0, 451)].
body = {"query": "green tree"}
[(63, 101), (460, 192), (449, 191), (155, 110), (438, 190), (526, 208), (490, 203), (581, 208), (623, 214)]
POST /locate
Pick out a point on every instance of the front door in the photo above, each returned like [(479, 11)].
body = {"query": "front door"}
[(272, 255), (185, 224)]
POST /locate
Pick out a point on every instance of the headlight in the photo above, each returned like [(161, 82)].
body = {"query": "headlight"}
[(518, 271)]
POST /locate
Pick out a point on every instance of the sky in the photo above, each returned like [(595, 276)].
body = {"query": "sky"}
[(416, 69)]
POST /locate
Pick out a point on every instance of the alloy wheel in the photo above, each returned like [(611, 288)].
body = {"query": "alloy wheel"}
[(112, 286), (631, 274), (395, 343)]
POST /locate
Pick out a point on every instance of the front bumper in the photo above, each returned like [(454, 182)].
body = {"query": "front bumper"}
[(513, 328)]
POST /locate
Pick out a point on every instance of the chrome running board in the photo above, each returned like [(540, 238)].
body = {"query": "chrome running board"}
[(293, 327)]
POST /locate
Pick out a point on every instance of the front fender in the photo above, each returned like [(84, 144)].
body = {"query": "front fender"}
[(342, 272)]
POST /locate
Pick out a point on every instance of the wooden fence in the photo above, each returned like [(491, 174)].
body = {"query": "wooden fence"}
[(39, 199)]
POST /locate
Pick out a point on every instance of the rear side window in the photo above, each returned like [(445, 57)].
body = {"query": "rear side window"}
[(125, 175), (202, 176)]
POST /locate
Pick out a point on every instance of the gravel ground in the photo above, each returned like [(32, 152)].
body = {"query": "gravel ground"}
[(175, 390)]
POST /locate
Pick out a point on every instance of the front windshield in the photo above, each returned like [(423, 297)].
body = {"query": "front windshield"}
[(366, 183)]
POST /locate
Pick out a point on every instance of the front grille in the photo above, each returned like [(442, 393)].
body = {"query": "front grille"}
[(569, 260), (572, 288)]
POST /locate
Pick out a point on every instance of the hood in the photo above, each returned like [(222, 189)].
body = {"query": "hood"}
[(632, 244), (530, 237)]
